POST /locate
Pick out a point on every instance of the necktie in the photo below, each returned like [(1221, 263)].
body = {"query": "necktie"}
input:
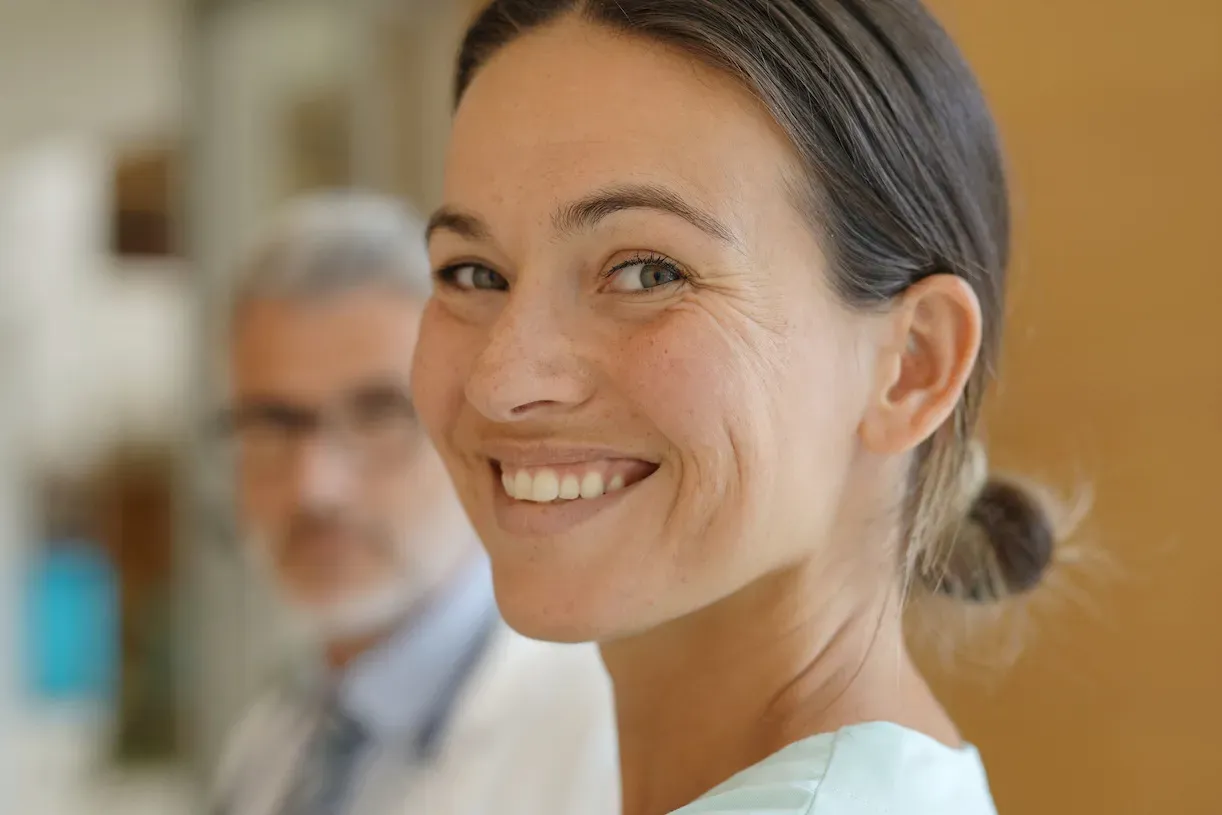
[(325, 779)]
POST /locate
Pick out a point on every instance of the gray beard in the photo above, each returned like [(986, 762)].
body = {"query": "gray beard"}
[(357, 615)]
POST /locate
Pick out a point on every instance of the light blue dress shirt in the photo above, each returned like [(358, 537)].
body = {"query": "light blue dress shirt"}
[(381, 716), (867, 769), (401, 692)]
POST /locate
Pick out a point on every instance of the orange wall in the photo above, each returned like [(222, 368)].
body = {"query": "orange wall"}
[(1112, 114)]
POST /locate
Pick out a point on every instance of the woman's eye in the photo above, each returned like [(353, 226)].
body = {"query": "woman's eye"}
[(474, 276), (644, 275)]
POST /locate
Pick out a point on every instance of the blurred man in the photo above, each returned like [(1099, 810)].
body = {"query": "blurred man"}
[(424, 704)]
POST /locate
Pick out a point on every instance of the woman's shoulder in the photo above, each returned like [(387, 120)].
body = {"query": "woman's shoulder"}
[(866, 769)]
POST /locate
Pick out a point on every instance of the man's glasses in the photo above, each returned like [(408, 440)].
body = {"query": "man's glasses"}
[(375, 426)]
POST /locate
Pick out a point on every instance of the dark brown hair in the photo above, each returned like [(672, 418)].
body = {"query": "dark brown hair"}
[(904, 179)]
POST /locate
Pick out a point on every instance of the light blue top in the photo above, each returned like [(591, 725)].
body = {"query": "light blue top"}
[(866, 769)]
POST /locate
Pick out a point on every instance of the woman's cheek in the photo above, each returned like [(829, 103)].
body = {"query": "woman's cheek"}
[(439, 370), (693, 382)]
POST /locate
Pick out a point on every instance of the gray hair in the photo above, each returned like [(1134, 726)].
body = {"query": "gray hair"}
[(331, 242)]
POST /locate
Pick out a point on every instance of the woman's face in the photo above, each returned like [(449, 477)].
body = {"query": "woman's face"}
[(633, 366)]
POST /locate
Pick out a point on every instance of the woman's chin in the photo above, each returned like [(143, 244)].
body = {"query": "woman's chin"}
[(532, 625), (539, 610)]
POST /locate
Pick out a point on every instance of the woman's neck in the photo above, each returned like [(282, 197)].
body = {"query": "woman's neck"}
[(705, 697)]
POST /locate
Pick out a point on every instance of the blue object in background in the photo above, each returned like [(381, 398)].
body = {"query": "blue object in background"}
[(71, 623)]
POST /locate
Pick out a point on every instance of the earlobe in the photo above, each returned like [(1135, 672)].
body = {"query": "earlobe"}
[(929, 351)]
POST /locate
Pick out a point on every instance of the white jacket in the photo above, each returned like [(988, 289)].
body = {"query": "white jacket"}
[(532, 732)]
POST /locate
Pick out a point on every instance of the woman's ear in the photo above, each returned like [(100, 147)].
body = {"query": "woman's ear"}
[(930, 346)]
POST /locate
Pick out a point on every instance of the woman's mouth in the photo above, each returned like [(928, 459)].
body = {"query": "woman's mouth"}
[(570, 481), (548, 489)]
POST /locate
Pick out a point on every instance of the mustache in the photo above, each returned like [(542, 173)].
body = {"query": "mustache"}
[(305, 525)]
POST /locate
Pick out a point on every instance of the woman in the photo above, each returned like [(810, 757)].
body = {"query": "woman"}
[(720, 285)]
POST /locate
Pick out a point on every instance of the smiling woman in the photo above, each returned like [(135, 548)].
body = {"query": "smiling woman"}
[(720, 286)]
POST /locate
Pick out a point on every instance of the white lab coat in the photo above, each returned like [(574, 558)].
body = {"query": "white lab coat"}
[(531, 733)]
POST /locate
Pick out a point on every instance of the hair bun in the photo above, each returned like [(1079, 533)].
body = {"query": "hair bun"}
[(1003, 546), (1020, 531)]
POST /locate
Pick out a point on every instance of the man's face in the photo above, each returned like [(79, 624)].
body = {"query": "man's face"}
[(341, 495)]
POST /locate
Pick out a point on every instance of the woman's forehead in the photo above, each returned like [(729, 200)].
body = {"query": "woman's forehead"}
[(567, 111)]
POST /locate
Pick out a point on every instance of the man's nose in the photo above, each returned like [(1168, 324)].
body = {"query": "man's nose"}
[(325, 473)]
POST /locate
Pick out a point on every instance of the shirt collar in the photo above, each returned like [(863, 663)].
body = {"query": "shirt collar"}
[(399, 690)]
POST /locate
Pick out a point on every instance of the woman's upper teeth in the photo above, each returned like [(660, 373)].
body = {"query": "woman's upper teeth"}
[(567, 483)]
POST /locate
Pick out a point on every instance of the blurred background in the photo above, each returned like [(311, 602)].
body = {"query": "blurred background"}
[(143, 142)]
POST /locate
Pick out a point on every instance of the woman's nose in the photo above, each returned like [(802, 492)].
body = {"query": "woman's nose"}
[(529, 367)]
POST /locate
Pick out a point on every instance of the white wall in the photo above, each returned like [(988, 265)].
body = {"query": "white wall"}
[(108, 68), (76, 81), (104, 347), (78, 349), (12, 522)]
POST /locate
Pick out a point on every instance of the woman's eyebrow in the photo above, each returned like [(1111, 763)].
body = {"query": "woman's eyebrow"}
[(463, 224), (585, 213)]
